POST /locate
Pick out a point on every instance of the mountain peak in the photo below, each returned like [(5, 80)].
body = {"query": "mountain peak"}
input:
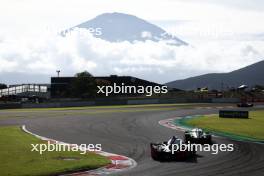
[(115, 14), (118, 27)]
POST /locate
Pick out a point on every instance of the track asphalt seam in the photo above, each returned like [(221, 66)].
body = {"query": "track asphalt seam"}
[(118, 162)]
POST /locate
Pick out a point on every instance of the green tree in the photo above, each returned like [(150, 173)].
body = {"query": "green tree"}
[(3, 86), (259, 87), (84, 85)]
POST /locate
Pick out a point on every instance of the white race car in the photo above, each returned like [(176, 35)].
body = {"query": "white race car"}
[(198, 136)]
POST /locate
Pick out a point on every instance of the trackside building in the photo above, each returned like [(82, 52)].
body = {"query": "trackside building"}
[(60, 85), (26, 90)]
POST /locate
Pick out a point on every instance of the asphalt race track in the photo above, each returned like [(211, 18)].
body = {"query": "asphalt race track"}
[(129, 131)]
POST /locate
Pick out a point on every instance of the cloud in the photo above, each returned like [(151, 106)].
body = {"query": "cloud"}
[(155, 61), (240, 4), (146, 34)]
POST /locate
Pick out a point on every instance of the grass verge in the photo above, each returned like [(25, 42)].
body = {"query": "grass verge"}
[(251, 128), (181, 105), (17, 159)]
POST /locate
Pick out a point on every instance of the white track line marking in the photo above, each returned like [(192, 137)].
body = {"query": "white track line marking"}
[(118, 162)]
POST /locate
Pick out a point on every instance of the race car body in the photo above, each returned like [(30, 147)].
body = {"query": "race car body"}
[(165, 151), (245, 105), (198, 136)]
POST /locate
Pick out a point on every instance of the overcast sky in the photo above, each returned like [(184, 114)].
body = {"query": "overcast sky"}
[(28, 15), (208, 25)]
